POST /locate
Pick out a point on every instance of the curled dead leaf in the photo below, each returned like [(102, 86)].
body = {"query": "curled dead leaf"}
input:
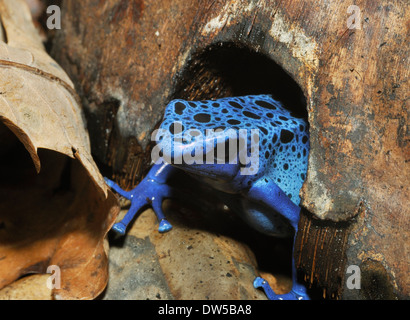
[(58, 211)]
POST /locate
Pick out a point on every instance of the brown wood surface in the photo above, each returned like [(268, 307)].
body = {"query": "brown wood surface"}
[(129, 58)]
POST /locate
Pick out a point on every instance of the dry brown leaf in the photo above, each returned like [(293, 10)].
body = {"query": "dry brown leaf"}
[(59, 213)]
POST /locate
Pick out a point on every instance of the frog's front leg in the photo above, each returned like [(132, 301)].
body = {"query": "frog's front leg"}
[(152, 190), (270, 194)]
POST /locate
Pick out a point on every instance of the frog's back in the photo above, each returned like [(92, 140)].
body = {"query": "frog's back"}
[(283, 139)]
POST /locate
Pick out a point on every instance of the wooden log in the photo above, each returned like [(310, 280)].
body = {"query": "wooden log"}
[(129, 58)]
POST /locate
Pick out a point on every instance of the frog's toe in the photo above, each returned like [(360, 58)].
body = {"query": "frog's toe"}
[(119, 228), (164, 226), (260, 283), (109, 182)]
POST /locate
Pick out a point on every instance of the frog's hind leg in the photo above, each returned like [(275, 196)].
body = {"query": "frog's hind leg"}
[(271, 195), (298, 291), (264, 285)]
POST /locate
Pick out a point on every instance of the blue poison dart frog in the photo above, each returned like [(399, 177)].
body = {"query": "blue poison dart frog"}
[(250, 149)]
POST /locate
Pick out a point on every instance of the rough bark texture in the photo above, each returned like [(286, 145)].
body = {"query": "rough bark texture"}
[(129, 58)]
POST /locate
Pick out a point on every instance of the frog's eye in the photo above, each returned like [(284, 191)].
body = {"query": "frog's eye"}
[(226, 151), (226, 146)]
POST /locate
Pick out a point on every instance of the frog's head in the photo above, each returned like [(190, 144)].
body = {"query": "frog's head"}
[(249, 126), (201, 139)]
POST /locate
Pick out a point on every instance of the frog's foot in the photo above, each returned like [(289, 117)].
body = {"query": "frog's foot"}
[(164, 226), (119, 228), (147, 192), (292, 295)]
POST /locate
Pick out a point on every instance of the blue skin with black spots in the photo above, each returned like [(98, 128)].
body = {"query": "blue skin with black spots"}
[(267, 198)]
